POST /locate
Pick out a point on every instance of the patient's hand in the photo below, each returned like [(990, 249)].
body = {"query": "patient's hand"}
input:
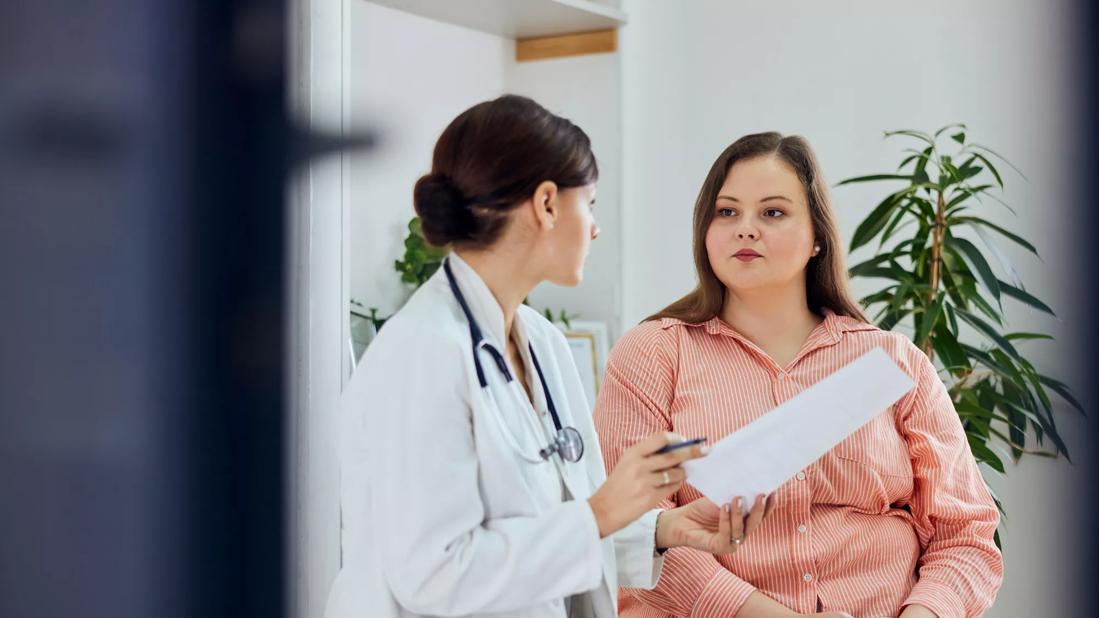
[(702, 525)]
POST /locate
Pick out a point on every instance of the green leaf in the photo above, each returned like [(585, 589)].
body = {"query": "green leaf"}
[(1063, 390), (930, 318), (877, 219), (988, 331), (959, 137), (977, 223), (1015, 336), (892, 227), (986, 308), (956, 125), (979, 264), (921, 168), (1000, 157), (911, 133), (1023, 296), (991, 168), (969, 169), (985, 454), (945, 344), (1001, 257)]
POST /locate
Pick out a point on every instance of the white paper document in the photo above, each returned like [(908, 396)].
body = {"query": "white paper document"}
[(770, 450)]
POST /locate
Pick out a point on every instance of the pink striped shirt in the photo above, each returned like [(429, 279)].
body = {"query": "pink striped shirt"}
[(897, 514)]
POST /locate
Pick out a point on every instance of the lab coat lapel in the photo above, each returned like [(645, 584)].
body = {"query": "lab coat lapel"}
[(574, 474), (484, 306)]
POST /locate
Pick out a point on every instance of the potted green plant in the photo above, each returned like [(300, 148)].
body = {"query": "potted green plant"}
[(937, 278), (421, 260)]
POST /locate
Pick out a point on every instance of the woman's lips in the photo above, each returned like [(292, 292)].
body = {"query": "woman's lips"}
[(746, 255)]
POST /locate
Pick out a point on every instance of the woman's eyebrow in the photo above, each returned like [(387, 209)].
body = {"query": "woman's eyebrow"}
[(777, 197), (766, 199)]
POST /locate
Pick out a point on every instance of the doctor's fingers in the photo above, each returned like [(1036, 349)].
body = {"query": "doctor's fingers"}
[(664, 478), (652, 443), (673, 459)]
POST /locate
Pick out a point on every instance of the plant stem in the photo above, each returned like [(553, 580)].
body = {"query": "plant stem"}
[(936, 259)]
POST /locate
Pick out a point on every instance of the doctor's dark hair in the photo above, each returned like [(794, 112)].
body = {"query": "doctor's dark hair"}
[(489, 160), (825, 274)]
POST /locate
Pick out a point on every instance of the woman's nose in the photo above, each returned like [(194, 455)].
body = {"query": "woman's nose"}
[(743, 234)]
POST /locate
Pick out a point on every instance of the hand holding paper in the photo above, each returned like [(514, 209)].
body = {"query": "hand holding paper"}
[(764, 454)]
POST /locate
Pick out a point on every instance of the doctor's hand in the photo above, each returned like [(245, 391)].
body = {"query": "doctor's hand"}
[(640, 481), (703, 525)]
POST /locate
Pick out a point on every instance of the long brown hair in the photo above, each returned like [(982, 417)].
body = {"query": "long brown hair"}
[(826, 273)]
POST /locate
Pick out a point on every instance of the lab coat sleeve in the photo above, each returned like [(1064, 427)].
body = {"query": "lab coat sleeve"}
[(635, 551), (638, 566), (441, 555)]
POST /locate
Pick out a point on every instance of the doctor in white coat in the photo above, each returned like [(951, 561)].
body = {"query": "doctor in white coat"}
[(473, 483)]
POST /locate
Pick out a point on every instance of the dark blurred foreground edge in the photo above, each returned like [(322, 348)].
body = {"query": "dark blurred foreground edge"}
[(142, 163)]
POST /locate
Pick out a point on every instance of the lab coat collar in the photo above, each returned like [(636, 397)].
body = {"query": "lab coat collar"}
[(484, 306)]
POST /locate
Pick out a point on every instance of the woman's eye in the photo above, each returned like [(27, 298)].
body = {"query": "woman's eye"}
[(773, 213), (725, 212)]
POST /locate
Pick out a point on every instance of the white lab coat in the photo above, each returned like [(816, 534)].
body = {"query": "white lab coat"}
[(440, 515)]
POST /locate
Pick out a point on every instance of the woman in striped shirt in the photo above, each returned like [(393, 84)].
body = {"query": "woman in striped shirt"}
[(894, 521)]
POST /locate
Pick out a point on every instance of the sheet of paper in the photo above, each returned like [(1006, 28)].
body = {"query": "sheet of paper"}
[(770, 450)]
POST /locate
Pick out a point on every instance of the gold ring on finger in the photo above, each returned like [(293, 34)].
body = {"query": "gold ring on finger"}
[(667, 479)]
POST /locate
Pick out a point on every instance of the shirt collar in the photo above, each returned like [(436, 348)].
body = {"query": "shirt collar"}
[(828, 332), (482, 304)]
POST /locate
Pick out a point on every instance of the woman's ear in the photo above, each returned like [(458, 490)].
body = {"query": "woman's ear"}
[(546, 208)]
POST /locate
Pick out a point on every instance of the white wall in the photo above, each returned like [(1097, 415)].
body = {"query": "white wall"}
[(409, 77), (586, 90), (697, 75)]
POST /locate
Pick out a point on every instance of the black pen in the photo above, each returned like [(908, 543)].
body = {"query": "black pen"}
[(679, 445)]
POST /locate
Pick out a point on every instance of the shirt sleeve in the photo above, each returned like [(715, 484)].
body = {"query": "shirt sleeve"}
[(441, 552), (633, 402), (960, 569)]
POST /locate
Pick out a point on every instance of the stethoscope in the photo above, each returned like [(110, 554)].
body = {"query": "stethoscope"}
[(566, 441)]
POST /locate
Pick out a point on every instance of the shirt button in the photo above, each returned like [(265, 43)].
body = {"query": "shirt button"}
[(807, 577), (801, 476), (802, 528), (781, 377)]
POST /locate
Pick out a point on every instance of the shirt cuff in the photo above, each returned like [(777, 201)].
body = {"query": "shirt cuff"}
[(723, 596), (937, 597), (635, 549)]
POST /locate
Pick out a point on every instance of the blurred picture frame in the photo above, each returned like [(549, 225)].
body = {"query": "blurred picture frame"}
[(588, 343)]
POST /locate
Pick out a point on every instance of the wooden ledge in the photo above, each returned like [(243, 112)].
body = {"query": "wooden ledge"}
[(543, 48)]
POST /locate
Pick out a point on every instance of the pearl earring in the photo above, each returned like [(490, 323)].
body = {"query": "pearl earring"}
[(816, 249)]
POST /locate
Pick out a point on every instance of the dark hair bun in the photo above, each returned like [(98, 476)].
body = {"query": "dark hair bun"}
[(444, 215)]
